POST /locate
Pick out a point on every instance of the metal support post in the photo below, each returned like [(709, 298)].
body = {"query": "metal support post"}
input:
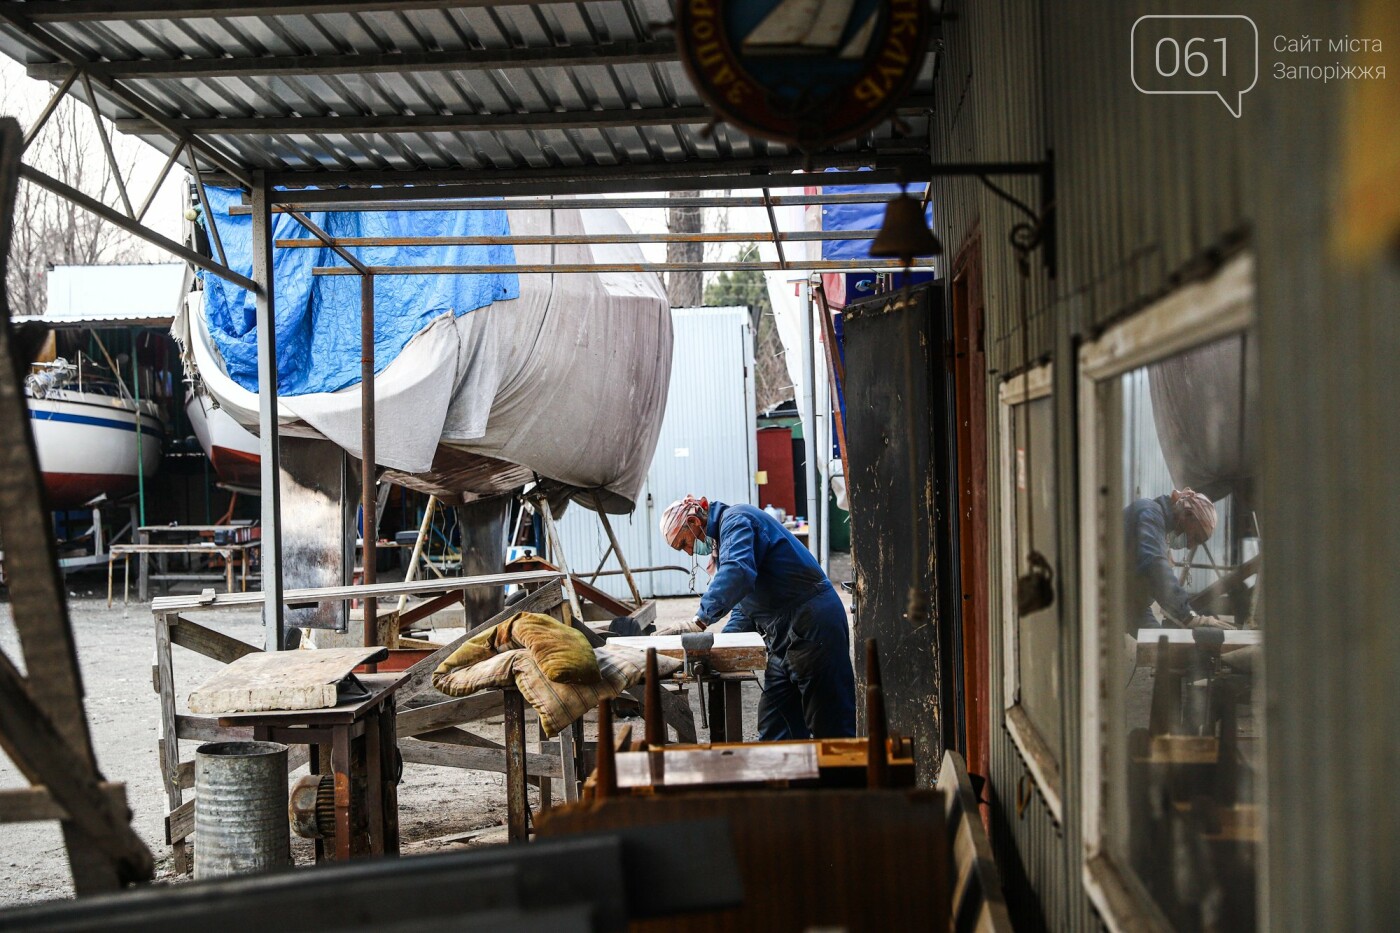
[(273, 620), (368, 501), (809, 422)]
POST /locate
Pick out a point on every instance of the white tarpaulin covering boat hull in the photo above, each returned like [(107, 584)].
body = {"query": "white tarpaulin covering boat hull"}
[(568, 381)]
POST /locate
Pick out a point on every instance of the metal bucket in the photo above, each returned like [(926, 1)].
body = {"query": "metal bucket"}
[(240, 809)]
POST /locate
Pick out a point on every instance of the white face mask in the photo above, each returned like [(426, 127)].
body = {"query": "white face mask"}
[(701, 547), (1177, 541)]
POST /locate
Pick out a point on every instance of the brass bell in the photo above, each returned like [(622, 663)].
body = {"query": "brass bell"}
[(904, 234)]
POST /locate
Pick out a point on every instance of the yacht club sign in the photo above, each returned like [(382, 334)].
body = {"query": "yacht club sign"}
[(808, 73)]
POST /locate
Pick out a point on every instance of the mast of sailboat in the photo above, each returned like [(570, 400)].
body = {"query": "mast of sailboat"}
[(116, 370), (140, 460)]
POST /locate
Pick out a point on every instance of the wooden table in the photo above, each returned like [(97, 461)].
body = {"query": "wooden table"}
[(229, 552), (365, 773), (733, 659), (147, 540)]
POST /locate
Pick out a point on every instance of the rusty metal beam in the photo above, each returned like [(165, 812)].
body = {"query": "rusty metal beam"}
[(569, 56), (95, 206), (579, 239), (814, 265), (68, 11), (18, 17), (395, 123), (425, 123), (322, 239), (581, 204), (779, 171)]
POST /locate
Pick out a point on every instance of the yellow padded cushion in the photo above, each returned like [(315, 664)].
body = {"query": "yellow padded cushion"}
[(561, 651)]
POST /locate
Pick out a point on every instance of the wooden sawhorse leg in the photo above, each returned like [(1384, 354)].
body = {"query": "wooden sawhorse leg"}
[(517, 803)]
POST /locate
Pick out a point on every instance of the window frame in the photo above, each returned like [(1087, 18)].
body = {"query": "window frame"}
[(1191, 316), (1045, 766)]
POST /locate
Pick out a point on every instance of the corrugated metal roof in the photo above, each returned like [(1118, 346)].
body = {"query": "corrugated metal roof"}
[(114, 294), (366, 91)]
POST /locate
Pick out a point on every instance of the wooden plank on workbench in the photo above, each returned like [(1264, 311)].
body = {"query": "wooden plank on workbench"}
[(322, 593), (280, 680), (207, 729), (421, 719), (475, 759), (208, 642), (733, 651), (1182, 641)]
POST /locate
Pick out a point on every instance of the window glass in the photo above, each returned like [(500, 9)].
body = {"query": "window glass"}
[(1037, 632), (1182, 629)]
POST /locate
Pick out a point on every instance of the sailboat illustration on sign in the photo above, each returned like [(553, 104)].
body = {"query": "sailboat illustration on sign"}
[(810, 27)]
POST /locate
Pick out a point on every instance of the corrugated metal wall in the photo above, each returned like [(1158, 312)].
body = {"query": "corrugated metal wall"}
[(1152, 192), (1329, 337), (708, 446)]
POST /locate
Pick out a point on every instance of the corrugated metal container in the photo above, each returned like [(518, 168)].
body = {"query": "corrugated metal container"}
[(240, 810), (708, 447)]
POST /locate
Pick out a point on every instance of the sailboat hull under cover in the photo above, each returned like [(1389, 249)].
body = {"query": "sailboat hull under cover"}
[(568, 382)]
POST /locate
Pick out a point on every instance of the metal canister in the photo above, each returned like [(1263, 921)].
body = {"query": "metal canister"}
[(240, 809)]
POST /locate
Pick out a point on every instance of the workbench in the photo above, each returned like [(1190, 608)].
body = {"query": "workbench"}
[(157, 540), (229, 552), (365, 774)]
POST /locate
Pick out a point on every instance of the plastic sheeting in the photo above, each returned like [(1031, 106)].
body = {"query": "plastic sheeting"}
[(318, 317), (569, 380)]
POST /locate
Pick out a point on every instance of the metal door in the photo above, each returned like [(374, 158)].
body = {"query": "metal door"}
[(896, 393)]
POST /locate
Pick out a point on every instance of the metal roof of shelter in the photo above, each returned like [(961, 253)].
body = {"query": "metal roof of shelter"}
[(145, 294), (549, 97)]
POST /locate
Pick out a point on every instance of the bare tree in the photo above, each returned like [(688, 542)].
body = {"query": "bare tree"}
[(685, 288), (750, 287), (50, 230)]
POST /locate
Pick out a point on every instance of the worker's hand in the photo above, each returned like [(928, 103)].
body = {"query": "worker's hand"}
[(680, 628), (1210, 622)]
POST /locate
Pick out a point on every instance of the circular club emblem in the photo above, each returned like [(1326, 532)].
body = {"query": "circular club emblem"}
[(804, 72)]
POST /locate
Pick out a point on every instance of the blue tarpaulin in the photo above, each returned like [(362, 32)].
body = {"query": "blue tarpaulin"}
[(858, 217), (318, 317)]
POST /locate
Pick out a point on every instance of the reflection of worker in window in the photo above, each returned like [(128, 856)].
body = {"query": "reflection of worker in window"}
[(1152, 527)]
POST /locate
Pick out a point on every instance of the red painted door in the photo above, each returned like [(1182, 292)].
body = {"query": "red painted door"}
[(970, 378), (775, 459)]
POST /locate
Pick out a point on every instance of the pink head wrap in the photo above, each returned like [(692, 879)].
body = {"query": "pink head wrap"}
[(678, 514), (1195, 514)]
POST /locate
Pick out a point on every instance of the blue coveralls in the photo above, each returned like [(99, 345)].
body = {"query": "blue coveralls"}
[(1146, 524), (771, 584)]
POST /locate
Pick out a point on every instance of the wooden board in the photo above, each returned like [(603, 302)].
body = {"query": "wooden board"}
[(279, 680), (342, 714), (359, 591), (733, 651), (718, 765), (856, 860), (1182, 641)]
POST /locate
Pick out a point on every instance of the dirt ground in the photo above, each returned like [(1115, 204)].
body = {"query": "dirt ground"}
[(438, 806)]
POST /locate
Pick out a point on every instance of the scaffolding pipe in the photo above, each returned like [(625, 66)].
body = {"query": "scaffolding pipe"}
[(584, 239), (579, 203), (809, 428), (368, 511), (811, 265), (264, 289)]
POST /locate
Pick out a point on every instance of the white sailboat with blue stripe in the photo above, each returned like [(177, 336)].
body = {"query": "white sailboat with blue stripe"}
[(90, 434)]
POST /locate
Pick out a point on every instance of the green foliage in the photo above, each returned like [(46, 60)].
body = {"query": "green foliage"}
[(743, 287)]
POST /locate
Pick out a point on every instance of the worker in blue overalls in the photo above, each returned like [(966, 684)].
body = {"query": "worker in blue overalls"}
[(1151, 529), (768, 582)]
